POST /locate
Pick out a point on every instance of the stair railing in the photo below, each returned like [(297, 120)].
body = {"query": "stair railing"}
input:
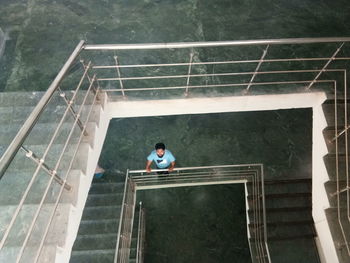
[(194, 176), (74, 108), (141, 235), (269, 66), (272, 71)]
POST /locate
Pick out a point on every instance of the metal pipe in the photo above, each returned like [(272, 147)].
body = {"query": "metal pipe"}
[(221, 74), (189, 74), (28, 125), (217, 43), (46, 168), (121, 216), (257, 67), (222, 85), (71, 109), (199, 167), (217, 62), (119, 75), (325, 66)]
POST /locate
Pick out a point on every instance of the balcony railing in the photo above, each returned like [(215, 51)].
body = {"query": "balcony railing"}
[(194, 176)]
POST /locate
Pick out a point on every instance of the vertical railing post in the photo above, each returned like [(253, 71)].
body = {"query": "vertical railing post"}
[(189, 74), (119, 76), (257, 68)]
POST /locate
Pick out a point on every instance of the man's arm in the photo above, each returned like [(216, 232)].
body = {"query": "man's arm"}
[(148, 166), (171, 167)]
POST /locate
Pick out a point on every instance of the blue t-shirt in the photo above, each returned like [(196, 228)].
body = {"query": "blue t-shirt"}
[(161, 162)]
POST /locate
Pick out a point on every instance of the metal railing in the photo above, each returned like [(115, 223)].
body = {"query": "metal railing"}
[(167, 70), (47, 155), (226, 68), (141, 235), (194, 176)]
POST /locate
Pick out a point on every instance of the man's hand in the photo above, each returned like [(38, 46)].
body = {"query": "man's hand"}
[(148, 166), (171, 168)]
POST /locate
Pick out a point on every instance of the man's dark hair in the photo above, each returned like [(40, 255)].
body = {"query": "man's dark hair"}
[(159, 145)]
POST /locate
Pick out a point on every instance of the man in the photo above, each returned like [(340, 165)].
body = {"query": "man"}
[(162, 158)]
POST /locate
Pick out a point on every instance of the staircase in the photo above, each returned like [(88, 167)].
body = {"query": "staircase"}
[(97, 235), (290, 227), (63, 207), (332, 213)]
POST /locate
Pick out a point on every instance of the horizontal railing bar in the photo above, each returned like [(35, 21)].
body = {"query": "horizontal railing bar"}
[(218, 62), (220, 74), (23, 133), (184, 183), (197, 179), (198, 168), (188, 174), (220, 85), (207, 174), (217, 43)]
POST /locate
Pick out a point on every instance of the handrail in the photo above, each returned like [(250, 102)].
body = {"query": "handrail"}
[(35, 114), (140, 235), (217, 43), (218, 174)]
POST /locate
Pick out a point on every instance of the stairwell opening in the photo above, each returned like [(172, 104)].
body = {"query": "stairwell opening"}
[(281, 139)]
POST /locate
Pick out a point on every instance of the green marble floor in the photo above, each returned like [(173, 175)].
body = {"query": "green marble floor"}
[(189, 224), (196, 224), (281, 140), (42, 33)]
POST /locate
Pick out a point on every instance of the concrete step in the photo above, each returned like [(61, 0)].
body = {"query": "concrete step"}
[(285, 200), (14, 185), (329, 134), (9, 99), (329, 109), (9, 254), (301, 250), (23, 163), (99, 188), (101, 212), (330, 162), (285, 215), (331, 188), (286, 230), (43, 132), (280, 186), (104, 199), (24, 219), (100, 226), (337, 233), (95, 242), (93, 256)]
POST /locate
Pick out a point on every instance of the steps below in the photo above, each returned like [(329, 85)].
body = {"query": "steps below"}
[(290, 226), (97, 234)]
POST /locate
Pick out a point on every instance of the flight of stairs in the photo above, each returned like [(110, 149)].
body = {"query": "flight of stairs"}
[(97, 235), (15, 107), (331, 186), (290, 227)]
